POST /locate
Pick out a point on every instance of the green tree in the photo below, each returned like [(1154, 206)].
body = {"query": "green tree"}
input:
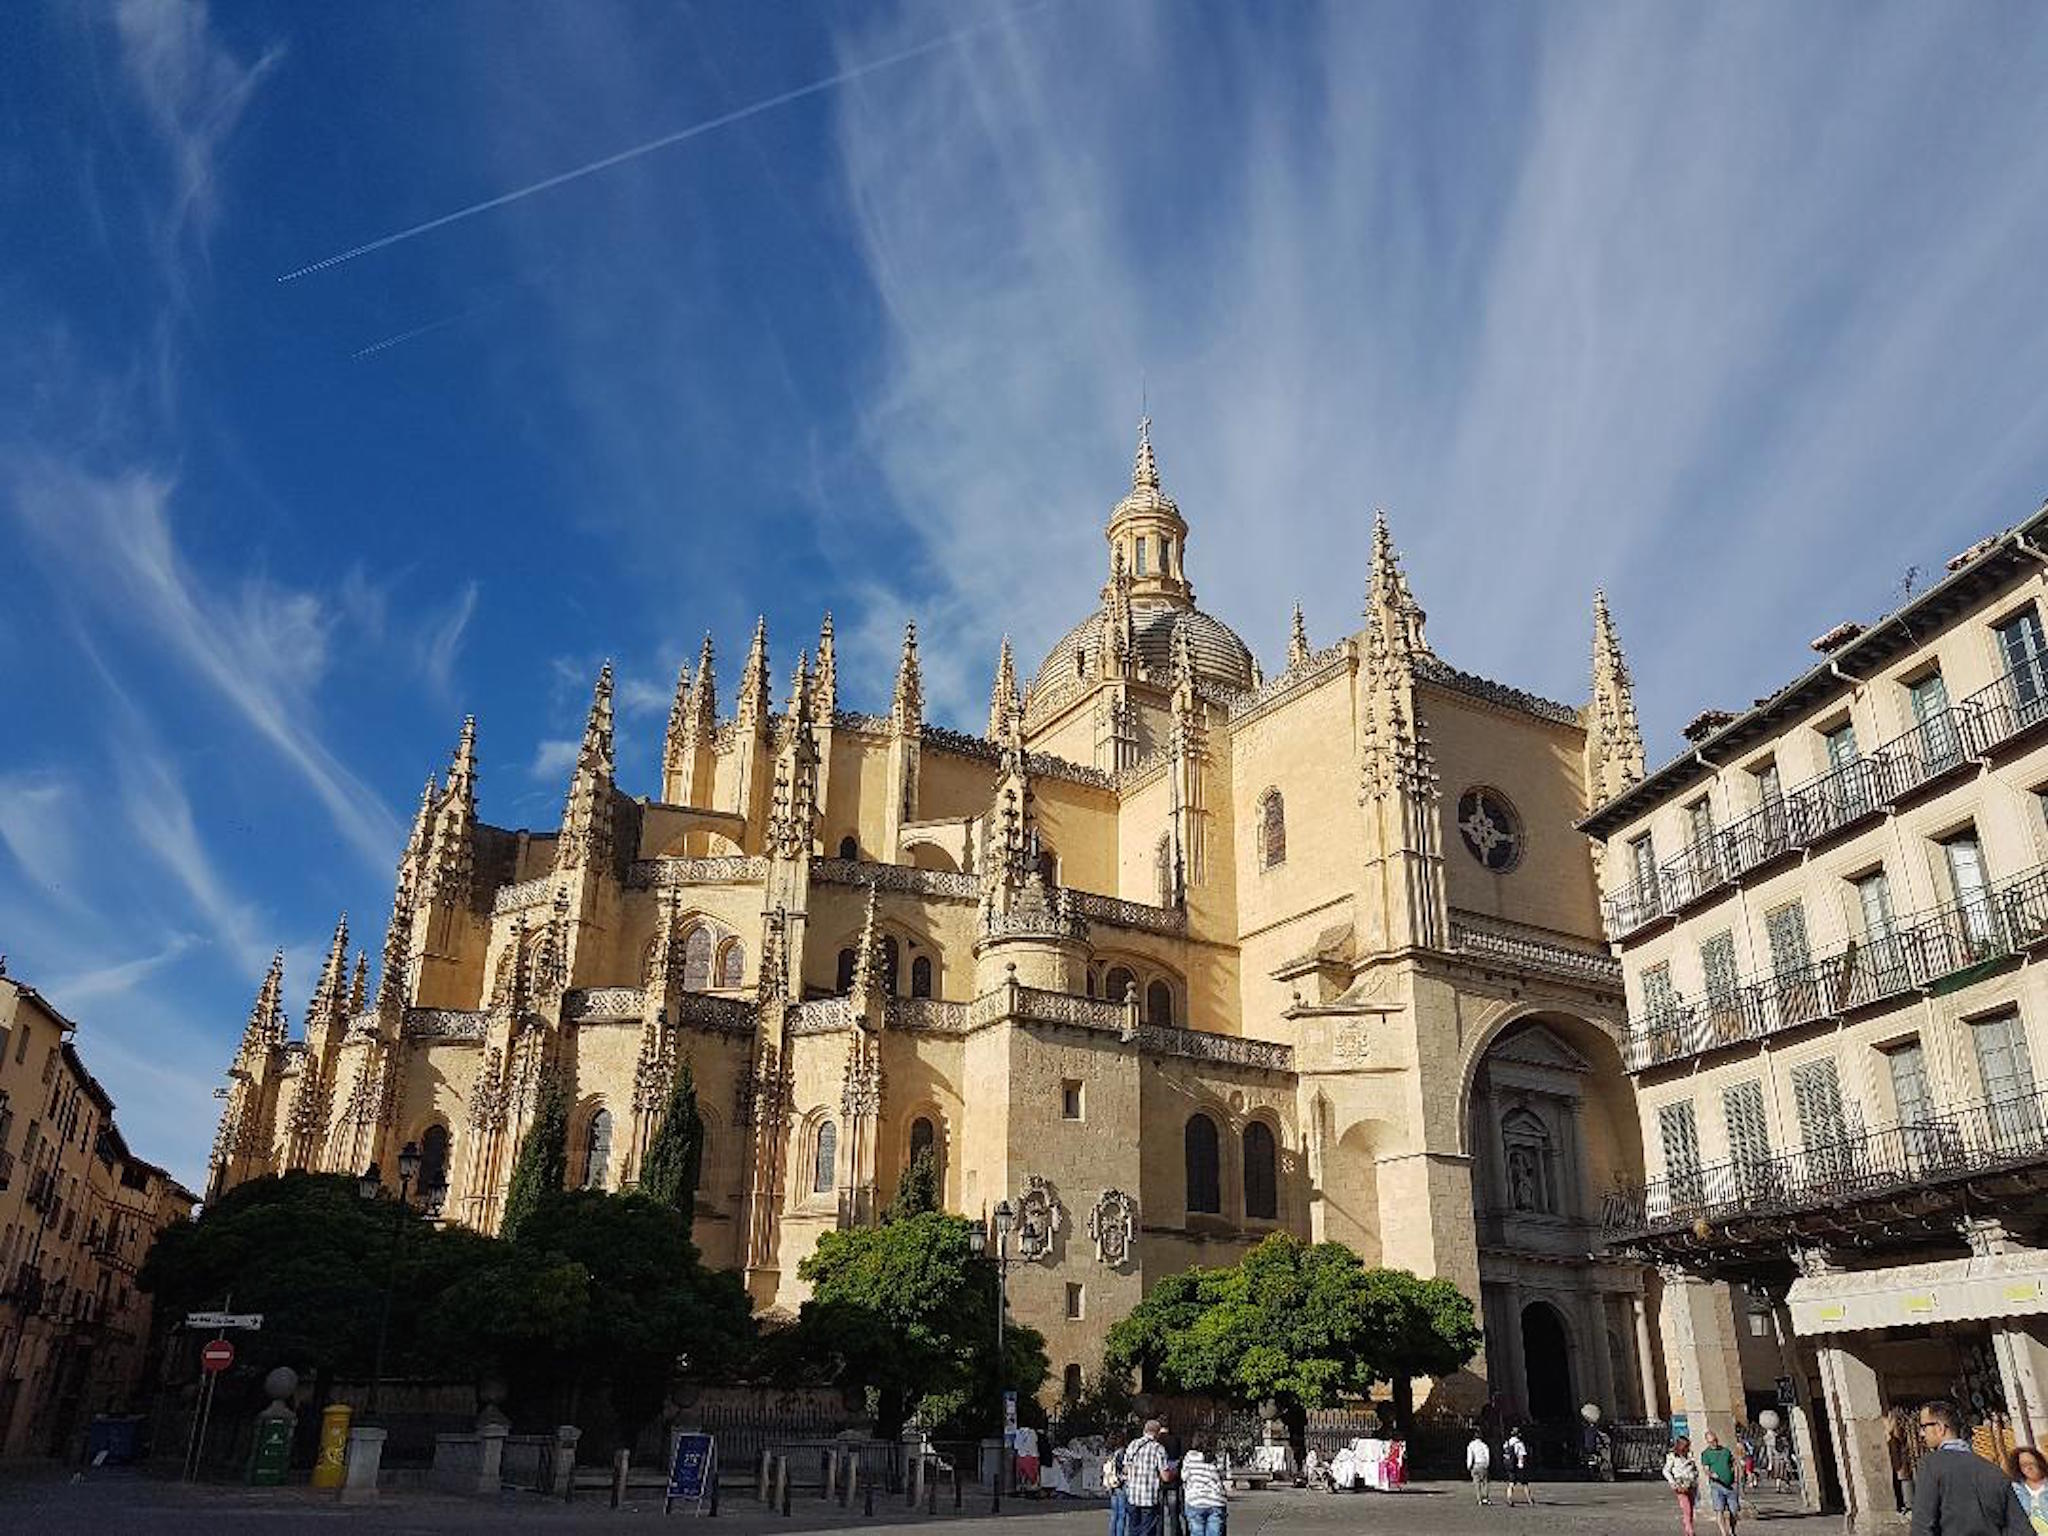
[(917, 1191), (907, 1310), (542, 1167), (675, 1155), (1303, 1324)]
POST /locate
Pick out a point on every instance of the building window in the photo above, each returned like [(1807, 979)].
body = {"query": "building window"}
[(2003, 1063), (849, 847), (1679, 1134), (1817, 1100), (1490, 828), (1908, 1065), (1717, 968), (1204, 1175), (1785, 927), (1529, 1161), (1658, 999), (1261, 1173), (1159, 1003), (842, 975), (1140, 568), (1074, 1301), (1120, 986), (1272, 830), (1964, 856), (1769, 789), (1070, 1382), (892, 955), (825, 1165), (732, 964), (921, 976), (2020, 643), (1699, 817), (1749, 1137), (1642, 862), (1841, 745), (924, 1139), (597, 1149), (697, 959), (1070, 1099)]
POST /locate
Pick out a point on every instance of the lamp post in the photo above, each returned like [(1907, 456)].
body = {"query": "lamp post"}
[(370, 1186)]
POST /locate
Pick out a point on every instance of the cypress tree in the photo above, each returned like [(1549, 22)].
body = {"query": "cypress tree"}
[(542, 1167), (917, 1191), (676, 1151)]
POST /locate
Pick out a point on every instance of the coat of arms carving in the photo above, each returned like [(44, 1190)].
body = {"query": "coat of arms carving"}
[(1113, 1224)]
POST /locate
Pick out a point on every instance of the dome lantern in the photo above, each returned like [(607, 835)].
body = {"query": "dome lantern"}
[(1147, 529)]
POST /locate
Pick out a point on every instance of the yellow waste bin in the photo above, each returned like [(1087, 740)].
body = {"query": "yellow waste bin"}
[(332, 1467)]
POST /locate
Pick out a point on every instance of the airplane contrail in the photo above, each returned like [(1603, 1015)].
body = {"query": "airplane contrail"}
[(723, 120)]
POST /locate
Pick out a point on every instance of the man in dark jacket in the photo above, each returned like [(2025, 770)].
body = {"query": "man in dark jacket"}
[(1957, 1492)]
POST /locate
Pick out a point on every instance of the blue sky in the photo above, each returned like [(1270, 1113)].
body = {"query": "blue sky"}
[(1736, 309)]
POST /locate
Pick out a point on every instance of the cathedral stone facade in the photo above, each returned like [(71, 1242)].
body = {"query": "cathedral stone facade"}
[(1177, 954)]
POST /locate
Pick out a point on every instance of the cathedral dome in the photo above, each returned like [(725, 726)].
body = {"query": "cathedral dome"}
[(1219, 656)]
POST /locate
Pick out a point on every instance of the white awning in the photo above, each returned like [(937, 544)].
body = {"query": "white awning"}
[(1946, 1291)]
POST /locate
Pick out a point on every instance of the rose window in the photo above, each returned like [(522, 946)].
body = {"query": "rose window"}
[(1491, 829)]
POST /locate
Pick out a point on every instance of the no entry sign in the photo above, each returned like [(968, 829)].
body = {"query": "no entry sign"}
[(217, 1356)]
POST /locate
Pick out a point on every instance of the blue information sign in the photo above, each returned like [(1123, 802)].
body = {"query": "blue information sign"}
[(1681, 1426), (691, 1469)]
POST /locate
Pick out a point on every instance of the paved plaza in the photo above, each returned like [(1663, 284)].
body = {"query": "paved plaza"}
[(122, 1504)]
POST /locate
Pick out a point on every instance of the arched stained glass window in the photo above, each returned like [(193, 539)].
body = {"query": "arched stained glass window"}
[(697, 959), (1261, 1173), (1205, 1178), (732, 964), (842, 978), (825, 1168), (1120, 984), (892, 956), (921, 976)]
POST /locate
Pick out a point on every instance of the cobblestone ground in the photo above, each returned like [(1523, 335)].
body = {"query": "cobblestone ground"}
[(120, 1504)]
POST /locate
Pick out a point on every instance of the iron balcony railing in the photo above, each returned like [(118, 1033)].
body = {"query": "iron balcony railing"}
[(1867, 785), (1987, 1137), (1913, 953)]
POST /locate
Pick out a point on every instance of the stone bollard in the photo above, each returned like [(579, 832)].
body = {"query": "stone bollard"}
[(365, 1460), (762, 1475), (849, 1487), (915, 1491), (622, 1465), (782, 1484), (828, 1471), (490, 1462), (566, 1436)]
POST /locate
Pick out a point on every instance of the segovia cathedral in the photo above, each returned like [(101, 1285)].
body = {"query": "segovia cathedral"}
[(1176, 955)]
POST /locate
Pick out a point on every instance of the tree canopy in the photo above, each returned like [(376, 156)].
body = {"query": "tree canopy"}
[(907, 1310), (1303, 1324)]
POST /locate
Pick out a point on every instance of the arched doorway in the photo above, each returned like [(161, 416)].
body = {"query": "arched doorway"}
[(1547, 1362)]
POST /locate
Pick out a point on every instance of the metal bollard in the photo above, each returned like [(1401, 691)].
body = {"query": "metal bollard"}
[(828, 1472), (622, 1461), (846, 1482), (995, 1493), (913, 1485)]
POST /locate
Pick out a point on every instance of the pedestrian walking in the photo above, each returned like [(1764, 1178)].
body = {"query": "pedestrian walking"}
[(1957, 1492), (2029, 1470), (1724, 1494), (1202, 1489), (1514, 1455), (1479, 1466), (1144, 1478), (1113, 1481), (1683, 1474)]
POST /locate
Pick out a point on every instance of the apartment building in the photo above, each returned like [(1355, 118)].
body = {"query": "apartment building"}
[(1831, 910), (78, 1212)]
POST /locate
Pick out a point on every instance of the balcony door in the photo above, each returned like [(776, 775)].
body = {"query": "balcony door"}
[(1749, 1140), (1792, 982), (2007, 1072), (2026, 663), (1941, 745), (1921, 1139), (1965, 856), (1680, 1135), (1823, 1131)]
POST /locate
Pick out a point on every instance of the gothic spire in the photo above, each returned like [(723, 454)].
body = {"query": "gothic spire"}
[(1389, 605), (329, 997), (867, 959), (825, 685), (906, 711), (1297, 642), (674, 748), (800, 697), (704, 694), (1005, 703), (453, 843), (266, 1026), (752, 706), (359, 985), (586, 836), (1614, 737)]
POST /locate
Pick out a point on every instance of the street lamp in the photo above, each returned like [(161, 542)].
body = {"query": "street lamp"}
[(369, 1186)]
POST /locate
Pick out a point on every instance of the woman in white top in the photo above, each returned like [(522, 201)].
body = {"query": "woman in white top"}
[(1203, 1494), (1683, 1474)]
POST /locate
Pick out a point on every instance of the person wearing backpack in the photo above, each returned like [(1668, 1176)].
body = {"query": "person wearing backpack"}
[(1113, 1480)]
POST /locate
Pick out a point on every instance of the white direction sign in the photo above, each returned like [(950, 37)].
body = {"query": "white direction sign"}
[(251, 1321)]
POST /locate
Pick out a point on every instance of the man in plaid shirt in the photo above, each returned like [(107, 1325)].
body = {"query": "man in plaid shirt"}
[(1144, 1471)]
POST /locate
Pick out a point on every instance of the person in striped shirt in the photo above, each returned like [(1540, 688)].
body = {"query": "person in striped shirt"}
[(1203, 1492)]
